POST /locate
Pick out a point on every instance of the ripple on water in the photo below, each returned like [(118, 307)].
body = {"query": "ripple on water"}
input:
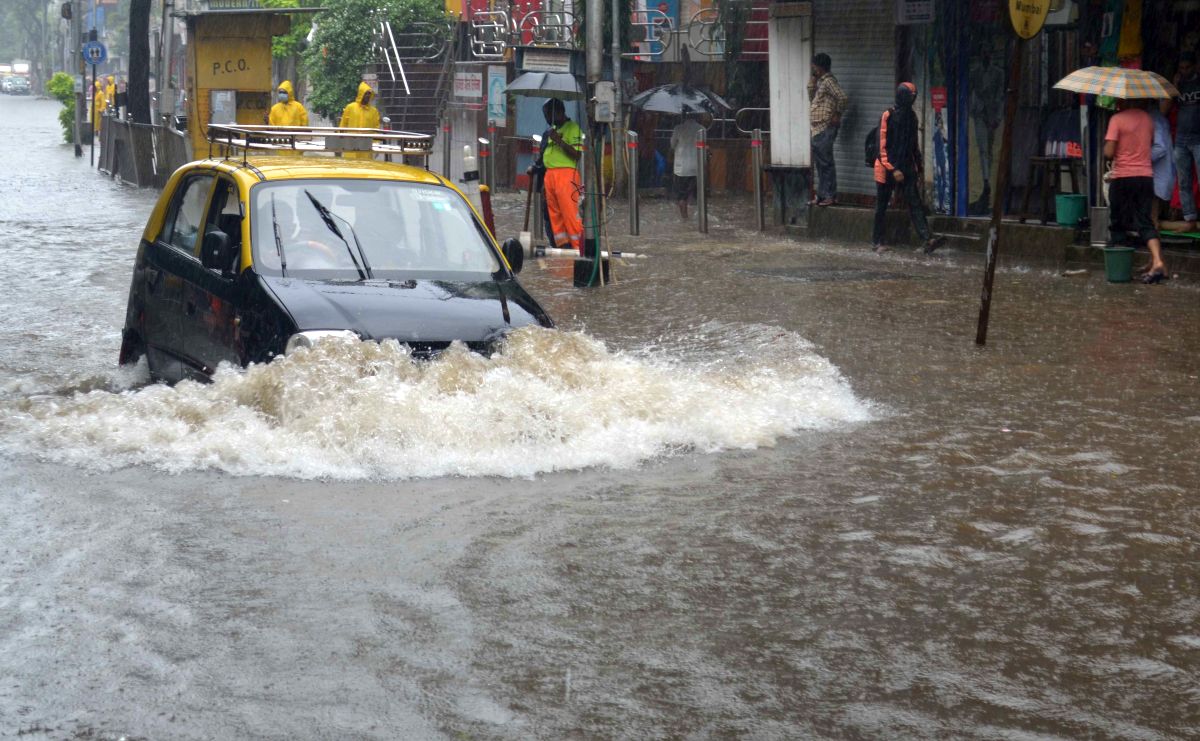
[(549, 401)]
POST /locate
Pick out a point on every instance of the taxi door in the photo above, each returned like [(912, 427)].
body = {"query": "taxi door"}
[(210, 330), (167, 259)]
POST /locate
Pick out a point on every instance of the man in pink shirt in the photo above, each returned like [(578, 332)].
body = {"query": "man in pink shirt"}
[(1131, 182)]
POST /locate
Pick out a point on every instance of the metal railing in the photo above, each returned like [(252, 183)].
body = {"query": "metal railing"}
[(707, 31), (652, 31), (491, 34), (549, 28), (419, 61)]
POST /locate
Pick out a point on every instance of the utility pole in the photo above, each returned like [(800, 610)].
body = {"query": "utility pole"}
[(76, 53), (618, 125), (595, 71)]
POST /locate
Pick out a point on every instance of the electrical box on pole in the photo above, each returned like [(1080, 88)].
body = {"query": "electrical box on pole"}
[(606, 102)]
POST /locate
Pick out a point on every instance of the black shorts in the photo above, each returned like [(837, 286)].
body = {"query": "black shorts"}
[(683, 187), (1130, 201)]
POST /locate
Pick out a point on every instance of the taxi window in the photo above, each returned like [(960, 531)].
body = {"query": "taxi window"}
[(403, 230), (184, 225), (225, 214)]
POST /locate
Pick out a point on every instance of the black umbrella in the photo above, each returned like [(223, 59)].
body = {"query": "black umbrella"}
[(679, 99), (559, 85)]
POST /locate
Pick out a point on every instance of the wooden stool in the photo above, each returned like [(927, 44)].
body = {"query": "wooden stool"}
[(1050, 168)]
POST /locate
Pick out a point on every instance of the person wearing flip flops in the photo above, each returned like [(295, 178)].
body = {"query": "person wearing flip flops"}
[(1127, 144)]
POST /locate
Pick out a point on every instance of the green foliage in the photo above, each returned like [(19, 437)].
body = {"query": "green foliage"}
[(66, 119), (62, 88), (291, 43), (344, 45)]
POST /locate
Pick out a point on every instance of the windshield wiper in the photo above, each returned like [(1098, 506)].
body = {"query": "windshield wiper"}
[(278, 240), (327, 217)]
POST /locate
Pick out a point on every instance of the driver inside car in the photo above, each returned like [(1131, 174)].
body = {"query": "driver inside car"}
[(306, 242)]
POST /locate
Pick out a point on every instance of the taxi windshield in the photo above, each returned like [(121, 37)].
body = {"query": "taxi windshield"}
[(354, 229)]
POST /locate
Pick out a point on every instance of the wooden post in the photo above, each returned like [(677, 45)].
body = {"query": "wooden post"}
[(993, 242)]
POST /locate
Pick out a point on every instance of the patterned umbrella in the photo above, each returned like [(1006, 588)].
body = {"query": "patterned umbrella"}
[(1118, 82)]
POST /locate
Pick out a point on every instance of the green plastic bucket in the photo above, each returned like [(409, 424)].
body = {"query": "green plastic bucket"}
[(1069, 208), (1118, 264)]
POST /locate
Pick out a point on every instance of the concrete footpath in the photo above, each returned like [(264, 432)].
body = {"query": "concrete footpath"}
[(1033, 245)]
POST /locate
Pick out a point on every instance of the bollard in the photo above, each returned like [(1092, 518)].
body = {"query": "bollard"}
[(757, 157), (485, 158), (446, 147), (631, 147), (494, 157), (701, 178), (539, 230)]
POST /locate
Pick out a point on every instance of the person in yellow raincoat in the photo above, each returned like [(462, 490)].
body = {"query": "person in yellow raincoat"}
[(361, 115), (110, 91), (287, 111), (99, 101)]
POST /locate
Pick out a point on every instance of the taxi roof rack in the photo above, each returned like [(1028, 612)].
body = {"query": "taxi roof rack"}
[(333, 139)]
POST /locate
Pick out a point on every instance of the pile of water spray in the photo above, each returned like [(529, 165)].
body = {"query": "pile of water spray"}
[(549, 400)]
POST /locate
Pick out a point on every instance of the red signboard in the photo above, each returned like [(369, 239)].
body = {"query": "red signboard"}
[(937, 98)]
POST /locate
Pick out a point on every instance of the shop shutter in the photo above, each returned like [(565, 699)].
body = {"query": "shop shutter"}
[(859, 37)]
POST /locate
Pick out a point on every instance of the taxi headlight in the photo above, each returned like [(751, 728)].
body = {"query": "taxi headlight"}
[(313, 336)]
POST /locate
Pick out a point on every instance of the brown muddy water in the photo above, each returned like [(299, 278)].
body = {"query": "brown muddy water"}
[(759, 488)]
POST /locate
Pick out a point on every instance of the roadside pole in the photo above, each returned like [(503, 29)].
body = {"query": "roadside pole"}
[(702, 180), (1027, 18), (593, 142), (756, 151), (95, 133), (446, 144), (77, 53), (617, 127), (631, 149)]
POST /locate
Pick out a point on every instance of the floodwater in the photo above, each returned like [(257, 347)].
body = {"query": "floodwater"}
[(759, 488)]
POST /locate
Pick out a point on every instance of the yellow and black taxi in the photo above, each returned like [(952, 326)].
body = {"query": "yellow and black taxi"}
[(247, 257)]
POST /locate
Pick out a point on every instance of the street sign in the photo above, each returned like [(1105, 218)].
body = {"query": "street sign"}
[(497, 80), (94, 53), (1028, 16)]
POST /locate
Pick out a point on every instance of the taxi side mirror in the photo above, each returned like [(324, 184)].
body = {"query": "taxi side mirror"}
[(514, 253), (217, 252)]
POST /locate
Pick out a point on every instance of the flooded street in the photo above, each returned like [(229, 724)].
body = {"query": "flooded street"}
[(759, 488)]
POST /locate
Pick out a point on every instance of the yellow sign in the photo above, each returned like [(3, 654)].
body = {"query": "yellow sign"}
[(1028, 16), (234, 64)]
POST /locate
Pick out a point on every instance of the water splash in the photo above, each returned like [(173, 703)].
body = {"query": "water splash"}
[(548, 401)]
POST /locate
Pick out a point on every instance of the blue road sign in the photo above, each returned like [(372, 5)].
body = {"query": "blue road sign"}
[(94, 53)]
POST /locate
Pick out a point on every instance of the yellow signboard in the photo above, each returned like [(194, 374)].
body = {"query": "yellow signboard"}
[(234, 64), (1028, 16)]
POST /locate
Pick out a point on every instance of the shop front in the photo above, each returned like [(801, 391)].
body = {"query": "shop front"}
[(1058, 136)]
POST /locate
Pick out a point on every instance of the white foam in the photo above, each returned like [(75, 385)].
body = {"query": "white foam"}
[(550, 400)]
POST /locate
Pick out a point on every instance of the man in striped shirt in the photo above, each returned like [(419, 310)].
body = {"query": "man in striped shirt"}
[(827, 103)]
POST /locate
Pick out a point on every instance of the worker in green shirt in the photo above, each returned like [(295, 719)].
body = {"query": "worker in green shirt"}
[(561, 181)]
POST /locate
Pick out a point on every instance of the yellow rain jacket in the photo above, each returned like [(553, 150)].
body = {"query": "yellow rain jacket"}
[(98, 103), (292, 112), (110, 91), (359, 115)]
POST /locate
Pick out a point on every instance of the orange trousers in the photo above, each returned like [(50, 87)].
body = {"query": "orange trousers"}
[(561, 185)]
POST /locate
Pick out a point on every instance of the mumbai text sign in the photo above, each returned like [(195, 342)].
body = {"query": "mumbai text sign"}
[(1028, 16)]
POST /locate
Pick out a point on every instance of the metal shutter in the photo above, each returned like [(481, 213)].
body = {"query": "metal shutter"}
[(859, 37)]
